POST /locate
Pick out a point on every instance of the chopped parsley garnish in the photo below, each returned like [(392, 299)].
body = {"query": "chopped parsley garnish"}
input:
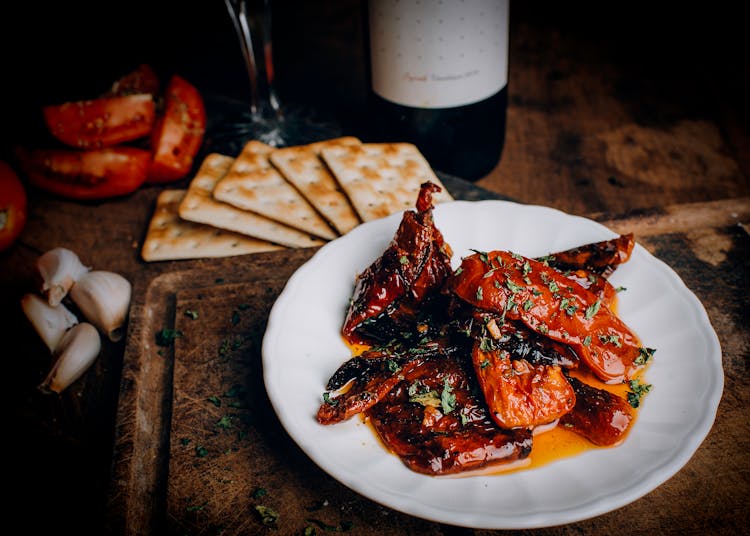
[(646, 354), (201, 452), (482, 255), (587, 340), (328, 400), (513, 287), (190, 313), (637, 391), (479, 293), (613, 339), (592, 309), (429, 398), (403, 259), (392, 366), (447, 398)]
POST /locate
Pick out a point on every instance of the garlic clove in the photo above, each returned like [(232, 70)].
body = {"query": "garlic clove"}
[(78, 349), (60, 268), (103, 298), (50, 323)]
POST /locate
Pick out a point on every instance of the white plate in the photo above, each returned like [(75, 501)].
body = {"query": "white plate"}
[(302, 347)]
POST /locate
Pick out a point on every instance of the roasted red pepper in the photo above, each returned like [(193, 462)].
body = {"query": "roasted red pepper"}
[(390, 291), (519, 394), (553, 305)]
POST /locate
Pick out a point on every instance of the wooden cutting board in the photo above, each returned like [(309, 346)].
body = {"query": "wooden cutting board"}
[(200, 451)]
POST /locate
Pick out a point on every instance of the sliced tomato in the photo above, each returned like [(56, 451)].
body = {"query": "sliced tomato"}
[(93, 124), (13, 204), (141, 80), (84, 175), (178, 134)]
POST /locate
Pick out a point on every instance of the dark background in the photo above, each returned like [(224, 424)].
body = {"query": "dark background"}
[(58, 51)]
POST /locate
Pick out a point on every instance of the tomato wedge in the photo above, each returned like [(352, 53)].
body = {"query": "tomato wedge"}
[(98, 123), (178, 134), (12, 206), (142, 80), (86, 175)]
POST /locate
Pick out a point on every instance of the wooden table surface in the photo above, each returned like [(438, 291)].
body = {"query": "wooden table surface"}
[(637, 119)]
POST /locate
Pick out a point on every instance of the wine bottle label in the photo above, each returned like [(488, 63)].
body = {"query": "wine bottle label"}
[(438, 53)]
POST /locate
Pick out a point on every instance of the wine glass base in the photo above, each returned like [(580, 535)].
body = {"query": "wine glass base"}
[(231, 125)]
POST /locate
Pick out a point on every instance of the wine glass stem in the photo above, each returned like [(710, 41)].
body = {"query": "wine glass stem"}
[(238, 11)]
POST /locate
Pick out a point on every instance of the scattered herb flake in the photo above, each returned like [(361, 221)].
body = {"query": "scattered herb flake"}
[(587, 340), (592, 309), (235, 390), (166, 336), (268, 516), (482, 255), (430, 398), (259, 492), (191, 313), (645, 355), (328, 400), (201, 451), (447, 398), (185, 441), (225, 422), (215, 400), (637, 391), (243, 306), (235, 318), (513, 287), (479, 293), (404, 260), (196, 507)]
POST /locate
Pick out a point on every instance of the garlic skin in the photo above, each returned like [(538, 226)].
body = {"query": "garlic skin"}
[(60, 268), (78, 349), (50, 323), (104, 299)]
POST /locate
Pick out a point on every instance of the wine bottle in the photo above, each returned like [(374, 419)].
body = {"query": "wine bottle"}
[(437, 76)]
